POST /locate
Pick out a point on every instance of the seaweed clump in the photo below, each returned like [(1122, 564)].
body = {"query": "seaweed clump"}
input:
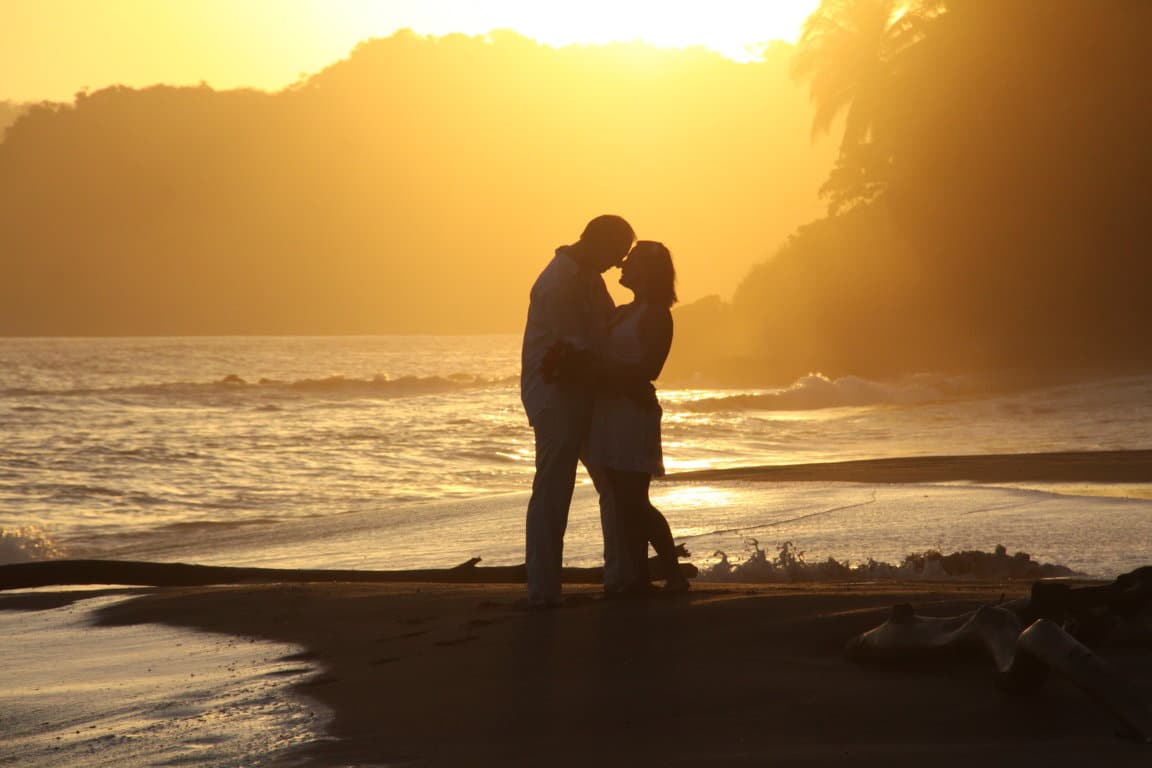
[(976, 564), (790, 565)]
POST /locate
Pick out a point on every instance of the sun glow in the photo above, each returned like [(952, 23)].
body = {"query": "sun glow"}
[(270, 44), (736, 28)]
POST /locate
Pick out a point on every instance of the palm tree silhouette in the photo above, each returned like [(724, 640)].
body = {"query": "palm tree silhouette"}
[(851, 53)]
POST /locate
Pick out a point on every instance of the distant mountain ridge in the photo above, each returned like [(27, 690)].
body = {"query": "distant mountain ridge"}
[(417, 186)]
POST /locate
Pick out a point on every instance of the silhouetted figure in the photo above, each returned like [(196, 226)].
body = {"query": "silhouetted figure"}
[(570, 308), (624, 441)]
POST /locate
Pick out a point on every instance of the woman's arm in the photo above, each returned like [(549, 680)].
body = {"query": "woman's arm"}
[(655, 329)]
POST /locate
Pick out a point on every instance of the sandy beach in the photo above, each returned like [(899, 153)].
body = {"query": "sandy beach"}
[(427, 674), (435, 673)]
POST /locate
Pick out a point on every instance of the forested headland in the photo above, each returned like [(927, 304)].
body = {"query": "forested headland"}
[(417, 186), (986, 168), (989, 208)]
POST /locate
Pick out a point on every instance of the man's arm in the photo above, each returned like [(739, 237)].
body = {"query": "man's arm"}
[(561, 312)]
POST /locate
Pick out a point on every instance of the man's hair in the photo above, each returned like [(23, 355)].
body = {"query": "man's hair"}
[(608, 230)]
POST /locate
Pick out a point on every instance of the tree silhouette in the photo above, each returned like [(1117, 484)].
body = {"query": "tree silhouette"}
[(416, 186), (851, 53), (1007, 229)]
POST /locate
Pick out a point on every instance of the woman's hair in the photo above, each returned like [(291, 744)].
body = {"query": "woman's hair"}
[(657, 272)]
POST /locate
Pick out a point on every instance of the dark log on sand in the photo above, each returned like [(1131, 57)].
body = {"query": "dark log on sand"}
[(51, 573)]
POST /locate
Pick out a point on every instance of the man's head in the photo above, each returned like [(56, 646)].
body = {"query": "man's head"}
[(605, 242)]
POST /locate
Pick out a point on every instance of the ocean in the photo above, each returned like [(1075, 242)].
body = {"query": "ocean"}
[(413, 451), (401, 452)]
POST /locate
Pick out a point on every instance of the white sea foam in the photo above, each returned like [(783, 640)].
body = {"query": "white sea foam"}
[(791, 564), (816, 391), (27, 543), (336, 385)]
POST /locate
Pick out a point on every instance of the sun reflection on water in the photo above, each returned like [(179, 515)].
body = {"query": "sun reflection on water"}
[(694, 497), (684, 465)]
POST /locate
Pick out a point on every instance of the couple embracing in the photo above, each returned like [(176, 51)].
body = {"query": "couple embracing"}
[(586, 383)]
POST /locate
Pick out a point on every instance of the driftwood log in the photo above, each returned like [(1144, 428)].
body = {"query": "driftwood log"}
[(52, 573), (1029, 639)]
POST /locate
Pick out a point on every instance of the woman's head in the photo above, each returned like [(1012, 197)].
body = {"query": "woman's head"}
[(648, 272)]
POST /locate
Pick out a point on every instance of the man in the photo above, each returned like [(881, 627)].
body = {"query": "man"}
[(569, 303)]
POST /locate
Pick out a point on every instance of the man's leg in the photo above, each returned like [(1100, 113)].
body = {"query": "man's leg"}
[(559, 433), (630, 500)]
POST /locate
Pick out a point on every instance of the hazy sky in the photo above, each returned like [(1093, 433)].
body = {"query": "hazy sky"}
[(50, 49)]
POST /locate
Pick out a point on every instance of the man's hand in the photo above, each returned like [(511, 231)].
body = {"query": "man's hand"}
[(564, 364), (639, 391)]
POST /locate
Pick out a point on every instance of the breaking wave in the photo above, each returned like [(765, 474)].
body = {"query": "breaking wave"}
[(25, 544), (336, 386), (816, 391)]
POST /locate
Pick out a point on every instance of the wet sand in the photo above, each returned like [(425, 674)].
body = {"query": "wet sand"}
[(427, 674), (78, 696)]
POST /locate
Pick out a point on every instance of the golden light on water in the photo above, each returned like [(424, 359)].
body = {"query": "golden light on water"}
[(692, 497), (686, 465)]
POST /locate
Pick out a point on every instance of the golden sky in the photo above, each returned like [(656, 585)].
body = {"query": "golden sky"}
[(50, 49)]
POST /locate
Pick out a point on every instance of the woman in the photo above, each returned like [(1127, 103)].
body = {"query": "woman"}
[(624, 441)]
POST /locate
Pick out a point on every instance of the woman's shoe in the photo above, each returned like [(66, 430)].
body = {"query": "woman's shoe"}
[(631, 591)]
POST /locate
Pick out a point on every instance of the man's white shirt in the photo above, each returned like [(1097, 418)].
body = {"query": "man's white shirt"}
[(567, 304)]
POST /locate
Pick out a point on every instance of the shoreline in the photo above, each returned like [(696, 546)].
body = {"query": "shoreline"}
[(1121, 466), (435, 674), (78, 695)]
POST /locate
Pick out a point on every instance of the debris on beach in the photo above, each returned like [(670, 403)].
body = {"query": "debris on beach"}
[(790, 565), (1050, 631)]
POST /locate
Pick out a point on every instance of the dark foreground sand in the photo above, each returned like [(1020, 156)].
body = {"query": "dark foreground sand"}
[(427, 674)]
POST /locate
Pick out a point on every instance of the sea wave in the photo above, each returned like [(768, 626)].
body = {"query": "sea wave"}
[(27, 543), (816, 391), (333, 386)]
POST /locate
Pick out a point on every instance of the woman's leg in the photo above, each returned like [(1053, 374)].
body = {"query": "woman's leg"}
[(660, 535), (630, 499)]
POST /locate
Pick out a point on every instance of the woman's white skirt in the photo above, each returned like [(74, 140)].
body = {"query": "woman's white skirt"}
[(625, 435)]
